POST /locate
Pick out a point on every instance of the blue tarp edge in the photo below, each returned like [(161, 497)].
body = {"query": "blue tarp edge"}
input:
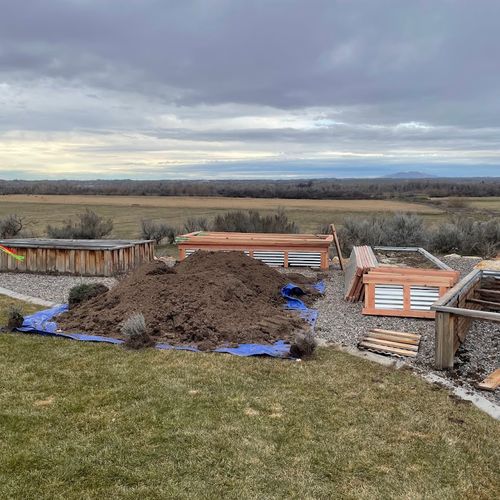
[(42, 323)]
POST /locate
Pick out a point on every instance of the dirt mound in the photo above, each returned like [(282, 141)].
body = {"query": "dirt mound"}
[(208, 300)]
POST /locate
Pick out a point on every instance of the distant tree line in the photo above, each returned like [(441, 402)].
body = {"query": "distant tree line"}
[(292, 189)]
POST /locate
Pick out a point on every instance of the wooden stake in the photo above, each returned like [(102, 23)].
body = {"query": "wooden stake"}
[(337, 246)]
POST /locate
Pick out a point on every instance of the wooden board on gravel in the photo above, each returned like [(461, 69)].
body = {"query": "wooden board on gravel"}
[(491, 382), (391, 342)]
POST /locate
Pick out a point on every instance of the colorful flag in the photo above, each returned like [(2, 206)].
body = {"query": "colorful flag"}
[(13, 254)]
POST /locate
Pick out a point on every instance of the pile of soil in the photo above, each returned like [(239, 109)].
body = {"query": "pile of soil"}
[(209, 300)]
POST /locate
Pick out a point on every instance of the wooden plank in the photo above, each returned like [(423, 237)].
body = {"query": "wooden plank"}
[(415, 336), (491, 382), (470, 313), (390, 343), (461, 287), (392, 338), (434, 259), (487, 291), (390, 350), (487, 303), (337, 246), (415, 270)]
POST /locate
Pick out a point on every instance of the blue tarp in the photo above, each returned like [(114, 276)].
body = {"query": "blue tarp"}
[(43, 323)]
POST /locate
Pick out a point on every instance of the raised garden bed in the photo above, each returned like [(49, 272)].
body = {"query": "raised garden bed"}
[(476, 297), (76, 257), (286, 250)]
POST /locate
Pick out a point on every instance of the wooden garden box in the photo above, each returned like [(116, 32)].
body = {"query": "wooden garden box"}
[(274, 249), (76, 257), (475, 298)]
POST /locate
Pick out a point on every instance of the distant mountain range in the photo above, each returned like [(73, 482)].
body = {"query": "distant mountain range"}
[(409, 175)]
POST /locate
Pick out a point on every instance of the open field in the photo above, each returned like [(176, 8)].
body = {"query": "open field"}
[(81, 420), (127, 211)]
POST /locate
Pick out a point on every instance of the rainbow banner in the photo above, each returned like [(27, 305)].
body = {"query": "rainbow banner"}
[(13, 254)]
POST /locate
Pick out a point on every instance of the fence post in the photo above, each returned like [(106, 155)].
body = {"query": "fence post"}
[(445, 340)]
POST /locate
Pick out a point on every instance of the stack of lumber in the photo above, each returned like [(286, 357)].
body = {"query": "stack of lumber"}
[(361, 261), (391, 342)]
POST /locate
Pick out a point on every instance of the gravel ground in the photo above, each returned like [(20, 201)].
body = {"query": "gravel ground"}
[(49, 287), (342, 323)]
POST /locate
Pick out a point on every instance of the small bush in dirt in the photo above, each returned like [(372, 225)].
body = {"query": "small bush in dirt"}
[(157, 231), (88, 226), (304, 345), (253, 222), (193, 224), (11, 226), (15, 317), (135, 332), (85, 291)]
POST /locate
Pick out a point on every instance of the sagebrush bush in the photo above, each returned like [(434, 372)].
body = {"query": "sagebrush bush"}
[(11, 226), (252, 221), (88, 226), (157, 231), (135, 332), (465, 236), (15, 317), (85, 291), (193, 224)]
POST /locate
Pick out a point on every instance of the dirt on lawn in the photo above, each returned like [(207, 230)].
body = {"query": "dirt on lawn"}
[(209, 300)]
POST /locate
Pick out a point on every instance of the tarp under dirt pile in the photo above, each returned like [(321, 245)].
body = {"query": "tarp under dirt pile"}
[(44, 323)]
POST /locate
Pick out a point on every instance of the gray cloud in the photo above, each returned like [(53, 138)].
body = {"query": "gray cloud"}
[(291, 80)]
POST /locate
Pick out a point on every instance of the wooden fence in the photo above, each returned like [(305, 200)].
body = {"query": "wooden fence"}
[(76, 257)]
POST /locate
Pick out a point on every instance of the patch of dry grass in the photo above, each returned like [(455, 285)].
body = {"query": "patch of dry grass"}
[(127, 211)]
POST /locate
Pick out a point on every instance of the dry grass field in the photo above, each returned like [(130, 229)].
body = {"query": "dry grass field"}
[(127, 211)]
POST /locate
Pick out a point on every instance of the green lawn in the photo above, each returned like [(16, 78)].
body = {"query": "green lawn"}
[(80, 420)]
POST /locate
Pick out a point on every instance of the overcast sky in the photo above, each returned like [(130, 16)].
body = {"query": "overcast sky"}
[(248, 88)]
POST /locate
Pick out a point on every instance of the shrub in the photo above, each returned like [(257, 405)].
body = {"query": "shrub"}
[(88, 226), (135, 331), (157, 231), (85, 291), (467, 237), (253, 222), (461, 235), (382, 230), (15, 317), (304, 345), (11, 226), (193, 224)]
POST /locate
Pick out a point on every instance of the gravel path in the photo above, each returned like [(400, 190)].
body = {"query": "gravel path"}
[(49, 287), (342, 323)]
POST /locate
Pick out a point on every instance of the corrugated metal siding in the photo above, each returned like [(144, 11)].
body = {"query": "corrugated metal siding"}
[(304, 259), (389, 297), (270, 258), (422, 297)]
